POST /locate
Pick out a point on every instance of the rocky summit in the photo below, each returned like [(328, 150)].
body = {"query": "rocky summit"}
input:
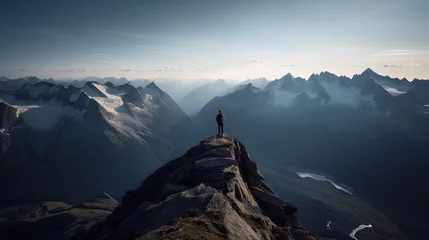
[(214, 191)]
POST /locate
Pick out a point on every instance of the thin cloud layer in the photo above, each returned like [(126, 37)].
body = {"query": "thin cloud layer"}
[(286, 65)]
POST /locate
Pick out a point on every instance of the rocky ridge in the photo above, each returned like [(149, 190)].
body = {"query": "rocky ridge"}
[(214, 191)]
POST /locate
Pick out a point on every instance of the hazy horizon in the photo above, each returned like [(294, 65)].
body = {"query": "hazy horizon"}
[(213, 39), (190, 80)]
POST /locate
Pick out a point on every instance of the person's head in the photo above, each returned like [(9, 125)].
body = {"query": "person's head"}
[(220, 110)]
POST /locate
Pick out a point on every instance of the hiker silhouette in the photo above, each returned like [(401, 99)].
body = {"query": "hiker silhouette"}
[(220, 119)]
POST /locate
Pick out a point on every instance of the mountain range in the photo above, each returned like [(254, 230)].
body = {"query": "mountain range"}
[(369, 132), (352, 129), (85, 138)]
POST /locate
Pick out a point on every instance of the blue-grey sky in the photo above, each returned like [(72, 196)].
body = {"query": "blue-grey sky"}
[(213, 39)]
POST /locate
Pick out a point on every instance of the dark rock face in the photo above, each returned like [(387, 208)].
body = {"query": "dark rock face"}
[(52, 220), (8, 115), (214, 191)]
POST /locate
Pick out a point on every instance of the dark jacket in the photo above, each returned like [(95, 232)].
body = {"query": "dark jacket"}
[(220, 118)]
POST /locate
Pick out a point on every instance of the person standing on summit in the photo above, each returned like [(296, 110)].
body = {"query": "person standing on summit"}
[(220, 119)]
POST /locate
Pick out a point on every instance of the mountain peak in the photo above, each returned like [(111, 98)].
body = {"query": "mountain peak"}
[(153, 86), (250, 85), (313, 77), (215, 184), (369, 71), (288, 76), (109, 84), (90, 83)]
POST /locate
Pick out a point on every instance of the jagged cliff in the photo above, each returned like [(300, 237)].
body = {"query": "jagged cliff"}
[(214, 191)]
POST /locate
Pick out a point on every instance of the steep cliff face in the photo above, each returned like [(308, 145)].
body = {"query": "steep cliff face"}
[(8, 117), (214, 191)]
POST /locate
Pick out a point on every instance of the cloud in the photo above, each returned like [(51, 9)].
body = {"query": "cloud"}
[(70, 70), (167, 69), (131, 70), (164, 69), (76, 70), (257, 60), (286, 65), (353, 65), (402, 65), (399, 53), (393, 66)]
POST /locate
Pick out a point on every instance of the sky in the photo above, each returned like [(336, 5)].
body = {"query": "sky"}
[(202, 39)]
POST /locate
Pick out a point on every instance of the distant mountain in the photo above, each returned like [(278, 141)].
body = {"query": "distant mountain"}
[(197, 98), (178, 89), (257, 82), (139, 82), (78, 141), (14, 84), (352, 129), (82, 81), (393, 86)]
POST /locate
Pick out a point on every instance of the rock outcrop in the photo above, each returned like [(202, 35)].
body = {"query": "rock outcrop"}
[(8, 117), (214, 191), (52, 220)]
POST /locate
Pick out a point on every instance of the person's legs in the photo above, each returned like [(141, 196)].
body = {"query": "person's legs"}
[(221, 126), (218, 129)]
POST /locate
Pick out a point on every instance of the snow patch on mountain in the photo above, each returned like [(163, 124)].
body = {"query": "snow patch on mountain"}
[(151, 93), (90, 92), (112, 102), (394, 91), (41, 115), (130, 118), (349, 96)]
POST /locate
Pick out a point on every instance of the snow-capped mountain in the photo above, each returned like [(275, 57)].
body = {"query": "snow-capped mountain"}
[(347, 127), (100, 131), (368, 90), (393, 86)]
